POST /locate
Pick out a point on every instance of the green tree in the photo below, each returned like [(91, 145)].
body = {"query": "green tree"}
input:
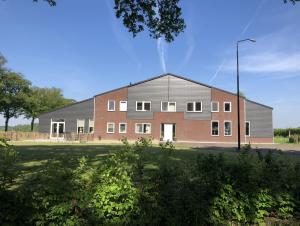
[(14, 90), (42, 100)]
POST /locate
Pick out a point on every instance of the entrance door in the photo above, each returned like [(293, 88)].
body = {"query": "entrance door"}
[(168, 132), (57, 130)]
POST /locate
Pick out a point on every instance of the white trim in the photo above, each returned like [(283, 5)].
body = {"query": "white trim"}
[(168, 106), (51, 127), (80, 126), (249, 128), (230, 128), (211, 122), (194, 106), (122, 101), (211, 106), (137, 132), (227, 102), (143, 105), (107, 127), (108, 105), (125, 127)]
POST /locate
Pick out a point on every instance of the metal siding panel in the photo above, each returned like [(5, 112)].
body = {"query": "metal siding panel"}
[(82, 110), (261, 122), (180, 91)]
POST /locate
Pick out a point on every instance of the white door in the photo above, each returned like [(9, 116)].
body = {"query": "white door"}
[(57, 130), (168, 132)]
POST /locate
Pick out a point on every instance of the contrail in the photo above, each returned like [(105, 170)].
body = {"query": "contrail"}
[(250, 22), (161, 50)]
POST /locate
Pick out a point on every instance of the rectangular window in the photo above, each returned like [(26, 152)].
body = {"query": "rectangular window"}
[(122, 127), (227, 128), (80, 125), (143, 128), (91, 126), (227, 106), (214, 106), (215, 128), (168, 106), (247, 127), (111, 105), (123, 105), (110, 127), (195, 106), (143, 106)]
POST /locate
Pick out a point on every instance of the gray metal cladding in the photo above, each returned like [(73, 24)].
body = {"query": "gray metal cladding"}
[(81, 110), (260, 117), (169, 88)]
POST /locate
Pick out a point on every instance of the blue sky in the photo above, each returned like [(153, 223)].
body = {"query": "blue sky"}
[(80, 47)]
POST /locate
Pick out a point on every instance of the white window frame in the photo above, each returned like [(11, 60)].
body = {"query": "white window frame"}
[(80, 126), (143, 105), (125, 102), (107, 127), (227, 102), (91, 126), (230, 128), (137, 132), (249, 128), (173, 102), (211, 128), (212, 106), (194, 106), (108, 105), (125, 127)]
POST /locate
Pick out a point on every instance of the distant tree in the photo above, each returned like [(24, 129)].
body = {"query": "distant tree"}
[(14, 90), (42, 100)]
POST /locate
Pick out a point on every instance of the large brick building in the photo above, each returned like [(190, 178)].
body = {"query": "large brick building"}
[(167, 107)]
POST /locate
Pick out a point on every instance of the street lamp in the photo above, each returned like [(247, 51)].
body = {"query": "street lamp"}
[(238, 88)]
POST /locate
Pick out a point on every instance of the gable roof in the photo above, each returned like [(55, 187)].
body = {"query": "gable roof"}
[(184, 78)]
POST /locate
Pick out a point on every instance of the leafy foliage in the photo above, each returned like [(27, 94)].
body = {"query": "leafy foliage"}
[(125, 190)]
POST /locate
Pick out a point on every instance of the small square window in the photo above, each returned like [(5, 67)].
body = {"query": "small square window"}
[(190, 107), (139, 106), (214, 106), (111, 105), (122, 127), (110, 127), (143, 128), (168, 106), (143, 106), (147, 106), (227, 106)]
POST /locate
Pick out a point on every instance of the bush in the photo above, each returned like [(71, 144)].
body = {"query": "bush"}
[(293, 139)]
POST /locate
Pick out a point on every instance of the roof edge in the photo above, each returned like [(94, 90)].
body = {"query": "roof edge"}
[(56, 109)]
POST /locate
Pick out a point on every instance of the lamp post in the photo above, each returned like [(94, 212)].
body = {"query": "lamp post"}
[(238, 88)]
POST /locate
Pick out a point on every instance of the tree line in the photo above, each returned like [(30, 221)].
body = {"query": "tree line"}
[(19, 98)]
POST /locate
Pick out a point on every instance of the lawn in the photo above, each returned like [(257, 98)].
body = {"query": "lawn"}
[(150, 185)]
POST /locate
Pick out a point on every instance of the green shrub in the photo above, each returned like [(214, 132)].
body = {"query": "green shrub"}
[(293, 139)]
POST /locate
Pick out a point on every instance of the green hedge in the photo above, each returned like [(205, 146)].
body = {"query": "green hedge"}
[(285, 132)]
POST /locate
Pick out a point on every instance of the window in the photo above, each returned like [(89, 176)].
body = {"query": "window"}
[(91, 126), (168, 106), (195, 106), (214, 106), (80, 125), (111, 105), (143, 105), (143, 128), (215, 128), (122, 127), (227, 106), (123, 105), (227, 128), (110, 127), (247, 127)]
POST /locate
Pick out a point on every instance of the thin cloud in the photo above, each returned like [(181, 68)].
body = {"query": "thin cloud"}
[(122, 39), (162, 52), (243, 32)]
